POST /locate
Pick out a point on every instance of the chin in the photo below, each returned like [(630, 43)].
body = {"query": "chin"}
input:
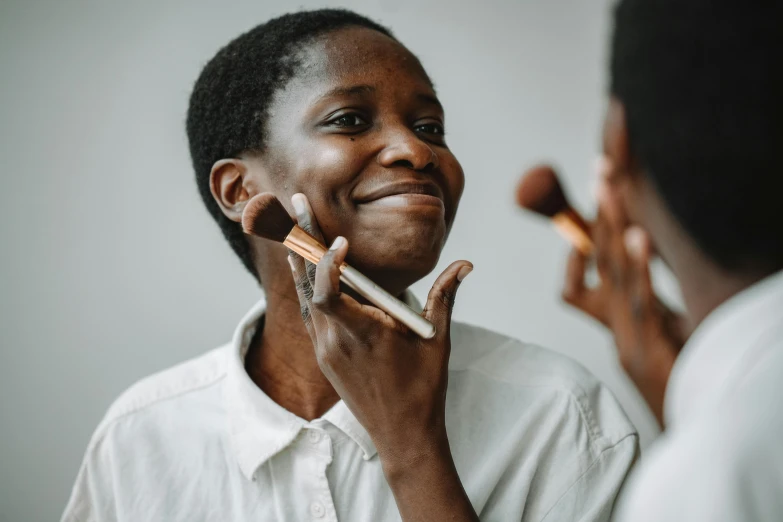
[(397, 265)]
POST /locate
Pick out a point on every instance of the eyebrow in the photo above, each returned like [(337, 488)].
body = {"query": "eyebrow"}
[(363, 90), (429, 98), (349, 91)]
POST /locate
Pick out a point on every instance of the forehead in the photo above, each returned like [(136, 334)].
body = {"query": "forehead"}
[(358, 55)]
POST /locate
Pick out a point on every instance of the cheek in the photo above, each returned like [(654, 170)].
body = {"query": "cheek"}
[(455, 182), (328, 165), (324, 173)]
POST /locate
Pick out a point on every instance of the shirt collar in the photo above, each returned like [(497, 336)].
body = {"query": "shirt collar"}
[(713, 357), (259, 427)]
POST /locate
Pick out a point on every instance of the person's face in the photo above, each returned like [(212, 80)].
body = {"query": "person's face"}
[(359, 131)]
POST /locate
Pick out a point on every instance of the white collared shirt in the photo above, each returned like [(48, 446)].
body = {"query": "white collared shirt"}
[(721, 457), (534, 438)]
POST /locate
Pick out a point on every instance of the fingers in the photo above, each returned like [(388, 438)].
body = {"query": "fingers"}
[(442, 296), (611, 256), (305, 217), (326, 291), (304, 291), (340, 309), (641, 291), (574, 287), (656, 320), (577, 294)]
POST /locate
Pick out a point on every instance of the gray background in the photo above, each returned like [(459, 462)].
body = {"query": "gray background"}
[(111, 268)]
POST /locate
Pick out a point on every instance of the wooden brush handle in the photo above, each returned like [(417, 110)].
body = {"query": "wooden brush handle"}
[(575, 229)]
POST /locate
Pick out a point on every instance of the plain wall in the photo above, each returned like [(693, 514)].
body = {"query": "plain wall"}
[(111, 267)]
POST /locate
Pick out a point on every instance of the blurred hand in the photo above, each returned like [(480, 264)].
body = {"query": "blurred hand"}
[(648, 335)]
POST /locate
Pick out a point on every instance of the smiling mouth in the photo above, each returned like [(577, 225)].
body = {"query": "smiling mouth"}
[(405, 194)]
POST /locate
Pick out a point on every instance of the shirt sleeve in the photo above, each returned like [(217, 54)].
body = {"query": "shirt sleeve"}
[(591, 498), (92, 498)]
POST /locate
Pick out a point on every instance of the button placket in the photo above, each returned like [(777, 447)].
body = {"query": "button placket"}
[(321, 507)]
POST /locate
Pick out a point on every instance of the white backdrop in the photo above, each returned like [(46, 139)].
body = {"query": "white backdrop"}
[(111, 268)]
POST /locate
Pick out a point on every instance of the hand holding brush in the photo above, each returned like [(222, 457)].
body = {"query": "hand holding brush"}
[(393, 380), (647, 333)]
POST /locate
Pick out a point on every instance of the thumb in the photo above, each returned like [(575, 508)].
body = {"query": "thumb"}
[(442, 296)]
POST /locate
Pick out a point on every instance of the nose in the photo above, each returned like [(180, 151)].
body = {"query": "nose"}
[(405, 149)]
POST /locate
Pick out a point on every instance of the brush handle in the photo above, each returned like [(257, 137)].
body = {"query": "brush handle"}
[(387, 302), (575, 229), (311, 249)]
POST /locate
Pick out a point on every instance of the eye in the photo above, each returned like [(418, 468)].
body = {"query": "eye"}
[(431, 131), (347, 121), (435, 129)]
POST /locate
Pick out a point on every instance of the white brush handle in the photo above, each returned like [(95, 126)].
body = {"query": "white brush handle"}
[(387, 302)]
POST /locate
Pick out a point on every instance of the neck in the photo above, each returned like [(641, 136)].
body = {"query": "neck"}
[(704, 284), (281, 359), (706, 288)]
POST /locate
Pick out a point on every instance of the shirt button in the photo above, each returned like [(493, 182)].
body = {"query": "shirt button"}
[(314, 436), (317, 509)]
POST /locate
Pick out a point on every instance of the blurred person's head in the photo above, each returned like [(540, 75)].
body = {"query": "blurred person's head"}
[(694, 132), (329, 104)]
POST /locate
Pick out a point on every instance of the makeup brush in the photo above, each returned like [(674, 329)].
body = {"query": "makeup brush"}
[(540, 191), (265, 216)]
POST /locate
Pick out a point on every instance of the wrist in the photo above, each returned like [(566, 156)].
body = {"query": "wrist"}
[(415, 456)]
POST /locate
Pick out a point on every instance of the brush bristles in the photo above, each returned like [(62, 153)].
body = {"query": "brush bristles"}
[(540, 191), (266, 217)]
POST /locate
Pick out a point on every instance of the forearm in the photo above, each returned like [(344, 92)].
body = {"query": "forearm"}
[(426, 486)]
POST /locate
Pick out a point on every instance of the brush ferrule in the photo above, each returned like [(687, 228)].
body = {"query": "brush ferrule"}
[(575, 229), (304, 244)]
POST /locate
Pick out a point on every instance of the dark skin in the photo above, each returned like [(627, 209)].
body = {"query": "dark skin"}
[(357, 135)]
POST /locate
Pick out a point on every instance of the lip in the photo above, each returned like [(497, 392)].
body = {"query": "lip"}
[(404, 193)]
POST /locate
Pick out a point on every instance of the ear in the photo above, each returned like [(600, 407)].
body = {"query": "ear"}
[(228, 182)]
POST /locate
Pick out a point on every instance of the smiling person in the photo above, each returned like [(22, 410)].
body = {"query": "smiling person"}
[(328, 111)]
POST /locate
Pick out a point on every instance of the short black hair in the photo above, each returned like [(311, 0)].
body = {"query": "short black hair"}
[(229, 103), (700, 81)]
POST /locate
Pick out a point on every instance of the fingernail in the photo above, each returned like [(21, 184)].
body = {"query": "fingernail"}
[(338, 243), (463, 272), (298, 201), (291, 262), (634, 239)]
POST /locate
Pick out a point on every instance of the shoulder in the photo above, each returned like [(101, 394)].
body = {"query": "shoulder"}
[(508, 359), (717, 468), (541, 376), (543, 423), (166, 389), (154, 417)]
